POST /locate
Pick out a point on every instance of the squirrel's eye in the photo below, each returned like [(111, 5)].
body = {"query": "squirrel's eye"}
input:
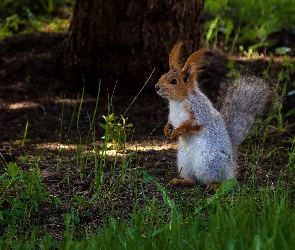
[(173, 81)]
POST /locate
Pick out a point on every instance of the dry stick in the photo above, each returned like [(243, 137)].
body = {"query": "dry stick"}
[(139, 92)]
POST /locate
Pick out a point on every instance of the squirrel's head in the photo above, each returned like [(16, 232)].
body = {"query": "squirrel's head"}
[(179, 82)]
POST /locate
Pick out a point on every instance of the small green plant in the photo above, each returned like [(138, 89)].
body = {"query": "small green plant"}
[(212, 31), (49, 25), (280, 93), (116, 130), (10, 25), (282, 50), (22, 192)]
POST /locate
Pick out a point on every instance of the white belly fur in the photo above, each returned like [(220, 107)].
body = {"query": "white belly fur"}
[(200, 162), (190, 156), (177, 114)]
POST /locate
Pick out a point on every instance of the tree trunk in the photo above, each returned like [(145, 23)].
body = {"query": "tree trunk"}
[(123, 41)]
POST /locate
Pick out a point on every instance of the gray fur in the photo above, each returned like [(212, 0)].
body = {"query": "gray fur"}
[(245, 99)]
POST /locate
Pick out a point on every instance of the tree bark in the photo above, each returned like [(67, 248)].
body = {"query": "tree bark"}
[(123, 41)]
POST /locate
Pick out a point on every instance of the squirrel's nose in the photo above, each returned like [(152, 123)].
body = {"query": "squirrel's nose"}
[(157, 88)]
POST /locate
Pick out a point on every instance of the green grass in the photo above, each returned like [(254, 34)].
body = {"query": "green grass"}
[(244, 218), (262, 219), (247, 25)]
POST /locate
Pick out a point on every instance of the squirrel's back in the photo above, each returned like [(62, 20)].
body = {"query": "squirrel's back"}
[(245, 99)]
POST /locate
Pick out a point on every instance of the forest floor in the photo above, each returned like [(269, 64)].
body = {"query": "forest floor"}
[(34, 92)]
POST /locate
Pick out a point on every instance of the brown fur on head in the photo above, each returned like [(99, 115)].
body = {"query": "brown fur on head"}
[(179, 82)]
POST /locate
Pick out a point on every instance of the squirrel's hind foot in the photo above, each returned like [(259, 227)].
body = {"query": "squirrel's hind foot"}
[(212, 186), (181, 182)]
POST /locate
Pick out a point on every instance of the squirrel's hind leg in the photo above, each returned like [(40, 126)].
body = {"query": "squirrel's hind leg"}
[(187, 183), (181, 182), (212, 186)]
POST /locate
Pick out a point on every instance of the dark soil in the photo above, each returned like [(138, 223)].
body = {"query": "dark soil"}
[(34, 91)]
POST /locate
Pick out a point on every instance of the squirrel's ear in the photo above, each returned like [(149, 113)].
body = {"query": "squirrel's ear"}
[(194, 62), (174, 56)]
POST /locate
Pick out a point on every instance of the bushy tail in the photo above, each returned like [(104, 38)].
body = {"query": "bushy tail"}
[(245, 98)]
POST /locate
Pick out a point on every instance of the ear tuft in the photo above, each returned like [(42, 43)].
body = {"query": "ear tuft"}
[(194, 62), (174, 56)]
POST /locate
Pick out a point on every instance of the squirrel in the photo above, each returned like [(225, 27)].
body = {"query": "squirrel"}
[(208, 139)]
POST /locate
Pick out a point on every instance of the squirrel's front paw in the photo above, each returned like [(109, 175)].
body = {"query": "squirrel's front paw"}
[(174, 135), (168, 130), (171, 132)]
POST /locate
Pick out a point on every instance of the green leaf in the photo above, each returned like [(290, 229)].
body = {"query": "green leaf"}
[(80, 200), (224, 189)]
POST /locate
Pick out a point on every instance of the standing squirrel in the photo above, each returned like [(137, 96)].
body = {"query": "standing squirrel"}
[(207, 139)]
